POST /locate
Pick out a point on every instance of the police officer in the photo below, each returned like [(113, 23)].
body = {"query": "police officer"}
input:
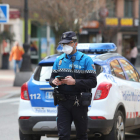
[(80, 76)]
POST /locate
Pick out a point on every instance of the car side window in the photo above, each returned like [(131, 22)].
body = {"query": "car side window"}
[(99, 69), (43, 73), (116, 69), (129, 71), (138, 76), (112, 71)]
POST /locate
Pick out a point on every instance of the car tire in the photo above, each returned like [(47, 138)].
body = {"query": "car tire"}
[(118, 130), (28, 136)]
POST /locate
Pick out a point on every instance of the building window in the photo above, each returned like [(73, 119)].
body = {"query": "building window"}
[(110, 5), (128, 8)]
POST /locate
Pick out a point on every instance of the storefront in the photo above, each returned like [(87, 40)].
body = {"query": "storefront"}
[(126, 32), (126, 40), (10, 31), (129, 35), (89, 33), (39, 42)]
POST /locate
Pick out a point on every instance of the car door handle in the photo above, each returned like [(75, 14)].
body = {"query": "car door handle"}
[(46, 88)]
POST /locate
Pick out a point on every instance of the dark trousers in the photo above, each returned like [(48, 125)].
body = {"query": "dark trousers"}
[(68, 113), (133, 61)]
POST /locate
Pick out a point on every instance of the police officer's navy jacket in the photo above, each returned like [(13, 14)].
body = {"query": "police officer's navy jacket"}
[(85, 74)]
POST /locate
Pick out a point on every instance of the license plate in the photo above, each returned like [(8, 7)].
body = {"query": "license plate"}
[(49, 95)]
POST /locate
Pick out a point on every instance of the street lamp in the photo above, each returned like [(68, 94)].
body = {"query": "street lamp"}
[(26, 63), (26, 19), (26, 69), (139, 35), (139, 28)]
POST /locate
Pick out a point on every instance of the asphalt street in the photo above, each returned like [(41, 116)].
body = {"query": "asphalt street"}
[(9, 119), (9, 123)]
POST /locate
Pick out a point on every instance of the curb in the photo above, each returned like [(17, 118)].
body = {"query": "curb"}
[(11, 95)]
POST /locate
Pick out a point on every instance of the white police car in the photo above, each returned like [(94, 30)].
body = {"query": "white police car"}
[(115, 105)]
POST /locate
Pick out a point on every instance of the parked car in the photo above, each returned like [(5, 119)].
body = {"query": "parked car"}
[(115, 105)]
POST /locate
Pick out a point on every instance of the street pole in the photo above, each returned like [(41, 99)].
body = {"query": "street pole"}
[(0, 45), (26, 63), (48, 40), (26, 69), (26, 20), (137, 63), (1, 30), (139, 28)]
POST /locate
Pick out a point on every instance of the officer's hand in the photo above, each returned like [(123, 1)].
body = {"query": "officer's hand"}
[(56, 82), (68, 80)]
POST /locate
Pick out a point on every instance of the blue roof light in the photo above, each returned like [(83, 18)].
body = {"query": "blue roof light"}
[(59, 48), (93, 47)]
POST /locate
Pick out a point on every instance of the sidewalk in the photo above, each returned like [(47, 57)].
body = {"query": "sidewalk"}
[(7, 78), (6, 83)]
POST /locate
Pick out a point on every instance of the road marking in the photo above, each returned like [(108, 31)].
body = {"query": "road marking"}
[(11, 94), (7, 85), (9, 100), (17, 103)]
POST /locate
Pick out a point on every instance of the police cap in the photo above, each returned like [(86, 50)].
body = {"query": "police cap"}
[(68, 37)]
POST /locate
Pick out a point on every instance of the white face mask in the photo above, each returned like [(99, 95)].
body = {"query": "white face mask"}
[(67, 49)]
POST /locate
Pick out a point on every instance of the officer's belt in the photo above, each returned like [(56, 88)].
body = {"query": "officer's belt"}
[(69, 93), (64, 97), (71, 97)]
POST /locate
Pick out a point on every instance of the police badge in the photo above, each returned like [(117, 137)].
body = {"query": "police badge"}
[(64, 36), (60, 62)]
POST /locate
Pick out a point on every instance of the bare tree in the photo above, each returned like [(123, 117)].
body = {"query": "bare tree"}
[(108, 33), (102, 6), (63, 15)]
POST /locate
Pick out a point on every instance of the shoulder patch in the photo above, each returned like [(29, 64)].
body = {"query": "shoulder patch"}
[(60, 62)]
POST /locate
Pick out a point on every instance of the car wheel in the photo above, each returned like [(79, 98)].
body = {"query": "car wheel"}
[(28, 136), (118, 130)]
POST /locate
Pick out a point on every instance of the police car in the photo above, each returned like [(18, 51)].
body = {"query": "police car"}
[(115, 105)]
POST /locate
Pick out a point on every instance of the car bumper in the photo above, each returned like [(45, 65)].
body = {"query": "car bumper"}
[(100, 126), (48, 125), (38, 125)]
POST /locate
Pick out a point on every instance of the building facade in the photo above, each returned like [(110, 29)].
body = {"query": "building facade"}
[(124, 21), (118, 23), (12, 28)]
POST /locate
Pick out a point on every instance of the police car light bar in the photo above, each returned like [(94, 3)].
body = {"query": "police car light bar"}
[(96, 47), (93, 47)]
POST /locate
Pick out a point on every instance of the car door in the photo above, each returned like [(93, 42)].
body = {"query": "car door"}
[(123, 86), (133, 80), (40, 92)]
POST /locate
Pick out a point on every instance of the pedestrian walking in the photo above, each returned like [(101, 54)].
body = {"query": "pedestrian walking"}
[(73, 77), (133, 53), (16, 55)]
